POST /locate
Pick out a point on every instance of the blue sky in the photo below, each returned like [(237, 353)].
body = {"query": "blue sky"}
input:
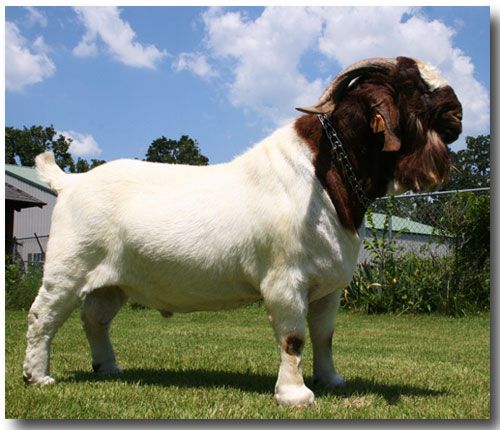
[(114, 79)]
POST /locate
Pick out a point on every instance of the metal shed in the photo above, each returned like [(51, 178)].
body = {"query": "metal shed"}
[(31, 225), (409, 235)]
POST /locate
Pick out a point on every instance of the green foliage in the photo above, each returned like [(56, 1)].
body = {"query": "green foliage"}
[(466, 218), (382, 245), (95, 163), (83, 165), (455, 284), (420, 285), (372, 289), (183, 151), (398, 294), (23, 145), (471, 165), (21, 287)]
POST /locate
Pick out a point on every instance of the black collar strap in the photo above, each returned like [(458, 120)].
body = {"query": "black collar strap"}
[(339, 152)]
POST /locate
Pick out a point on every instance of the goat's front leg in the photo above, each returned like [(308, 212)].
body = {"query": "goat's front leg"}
[(287, 314), (321, 317)]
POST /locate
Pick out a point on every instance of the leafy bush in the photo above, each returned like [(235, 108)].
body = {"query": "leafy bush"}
[(466, 218), (21, 287), (456, 284)]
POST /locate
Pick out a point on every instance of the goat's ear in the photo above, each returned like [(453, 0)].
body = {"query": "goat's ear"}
[(391, 142), (377, 123)]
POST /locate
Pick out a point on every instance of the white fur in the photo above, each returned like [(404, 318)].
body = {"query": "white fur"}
[(184, 238), (431, 75)]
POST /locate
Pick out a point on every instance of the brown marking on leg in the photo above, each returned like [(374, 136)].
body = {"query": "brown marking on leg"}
[(293, 345)]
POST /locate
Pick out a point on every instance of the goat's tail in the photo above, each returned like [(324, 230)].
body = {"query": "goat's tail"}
[(49, 172)]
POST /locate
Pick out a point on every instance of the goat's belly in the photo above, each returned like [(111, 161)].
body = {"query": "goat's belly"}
[(178, 297), (184, 285)]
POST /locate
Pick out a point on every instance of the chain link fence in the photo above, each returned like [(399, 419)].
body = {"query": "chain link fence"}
[(414, 222)]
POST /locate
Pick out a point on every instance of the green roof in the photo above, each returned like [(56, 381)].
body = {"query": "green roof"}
[(28, 175), (399, 224)]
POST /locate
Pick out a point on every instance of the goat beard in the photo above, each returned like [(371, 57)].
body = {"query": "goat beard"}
[(424, 168)]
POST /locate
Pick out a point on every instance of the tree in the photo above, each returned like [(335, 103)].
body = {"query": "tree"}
[(471, 165), (60, 148), (183, 151), (23, 145), (95, 163), (83, 165)]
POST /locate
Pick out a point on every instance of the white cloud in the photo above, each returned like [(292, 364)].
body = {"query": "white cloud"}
[(106, 24), (85, 48), (194, 62), (82, 145), (25, 65), (263, 55), (39, 45), (35, 16), (266, 53)]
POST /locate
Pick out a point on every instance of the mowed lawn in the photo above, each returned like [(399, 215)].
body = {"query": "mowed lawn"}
[(224, 365)]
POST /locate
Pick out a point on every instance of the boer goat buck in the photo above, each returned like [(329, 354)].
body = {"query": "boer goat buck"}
[(282, 222)]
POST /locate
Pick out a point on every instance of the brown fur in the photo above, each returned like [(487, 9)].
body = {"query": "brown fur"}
[(293, 345), (410, 149)]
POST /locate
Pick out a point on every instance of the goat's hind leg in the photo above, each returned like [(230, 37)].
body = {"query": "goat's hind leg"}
[(51, 308), (98, 310)]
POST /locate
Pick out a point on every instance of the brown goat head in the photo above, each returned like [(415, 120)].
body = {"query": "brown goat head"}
[(397, 114)]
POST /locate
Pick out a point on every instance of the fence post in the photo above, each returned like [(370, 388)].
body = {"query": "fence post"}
[(40, 245)]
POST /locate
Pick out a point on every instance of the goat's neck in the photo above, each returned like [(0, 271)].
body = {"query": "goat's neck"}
[(330, 174)]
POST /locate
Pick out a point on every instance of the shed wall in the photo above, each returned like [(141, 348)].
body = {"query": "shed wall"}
[(29, 221)]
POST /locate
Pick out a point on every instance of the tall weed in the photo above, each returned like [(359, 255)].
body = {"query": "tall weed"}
[(21, 286)]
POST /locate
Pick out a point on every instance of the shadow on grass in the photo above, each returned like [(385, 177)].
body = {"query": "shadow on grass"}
[(256, 383), (390, 392), (193, 378)]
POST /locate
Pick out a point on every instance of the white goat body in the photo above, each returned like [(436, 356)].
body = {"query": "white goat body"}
[(185, 238)]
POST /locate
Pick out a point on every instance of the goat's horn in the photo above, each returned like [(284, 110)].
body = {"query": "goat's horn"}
[(328, 99)]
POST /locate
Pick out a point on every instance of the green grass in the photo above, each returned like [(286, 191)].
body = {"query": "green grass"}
[(224, 365)]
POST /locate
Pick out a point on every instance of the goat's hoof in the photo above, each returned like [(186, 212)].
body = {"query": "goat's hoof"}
[(330, 382), (110, 369), (292, 395), (44, 380)]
